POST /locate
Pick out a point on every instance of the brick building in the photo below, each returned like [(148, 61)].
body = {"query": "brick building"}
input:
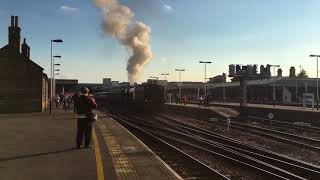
[(23, 85)]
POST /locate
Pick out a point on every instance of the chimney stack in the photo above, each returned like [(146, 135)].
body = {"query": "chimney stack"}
[(16, 21), (292, 72), (12, 21), (279, 72), (14, 34), (25, 49)]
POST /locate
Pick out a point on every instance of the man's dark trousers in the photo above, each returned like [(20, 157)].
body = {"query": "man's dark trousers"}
[(84, 128)]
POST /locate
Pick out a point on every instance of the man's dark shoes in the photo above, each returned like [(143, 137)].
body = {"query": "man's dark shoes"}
[(78, 147)]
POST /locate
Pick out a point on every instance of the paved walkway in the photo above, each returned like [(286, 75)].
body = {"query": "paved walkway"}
[(37, 146), (295, 108), (225, 112)]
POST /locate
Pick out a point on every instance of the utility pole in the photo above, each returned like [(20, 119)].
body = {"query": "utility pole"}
[(317, 80), (274, 83), (180, 83), (165, 86), (205, 75)]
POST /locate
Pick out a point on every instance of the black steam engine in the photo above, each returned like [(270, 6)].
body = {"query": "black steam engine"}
[(142, 97)]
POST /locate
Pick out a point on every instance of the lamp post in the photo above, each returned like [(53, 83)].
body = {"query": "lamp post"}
[(165, 87), (180, 70), (54, 74), (274, 83), (312, 55), (165, 75), (51, 69), (297, 84), (205, 75), (154, 77)]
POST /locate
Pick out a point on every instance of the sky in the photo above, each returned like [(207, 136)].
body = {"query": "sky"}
[(183, 32)]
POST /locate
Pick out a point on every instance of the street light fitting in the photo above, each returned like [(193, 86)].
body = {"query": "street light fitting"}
[(275, 65), (207, 62), (57, 56), (57, 40), (314, 55), (57, 70), (179, 69), (154, 77), (57, 64)]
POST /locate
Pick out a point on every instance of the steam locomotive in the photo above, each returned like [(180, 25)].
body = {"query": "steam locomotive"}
[(143, 97)]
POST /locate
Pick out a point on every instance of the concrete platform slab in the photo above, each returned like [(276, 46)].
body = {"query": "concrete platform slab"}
[(37, 146), (131, 158)]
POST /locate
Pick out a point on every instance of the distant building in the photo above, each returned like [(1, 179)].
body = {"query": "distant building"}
[(151, 81), (23, 85), (65, 85), (279, 72), (115, 84), (124, 84), (265, 71), (218, 79), (292, 72), (107, 82)]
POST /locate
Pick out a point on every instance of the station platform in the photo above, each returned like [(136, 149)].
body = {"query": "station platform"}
[(37, 146), (282, 113), (222, 111), (268, 106)]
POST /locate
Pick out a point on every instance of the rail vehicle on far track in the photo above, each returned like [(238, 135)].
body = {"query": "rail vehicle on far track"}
[(146, 96)]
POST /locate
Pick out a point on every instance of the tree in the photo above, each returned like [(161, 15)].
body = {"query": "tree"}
[(303, 74)]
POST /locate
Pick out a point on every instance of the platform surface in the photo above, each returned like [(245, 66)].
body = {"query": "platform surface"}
[(37, 146), (295, 108), (226, 112)]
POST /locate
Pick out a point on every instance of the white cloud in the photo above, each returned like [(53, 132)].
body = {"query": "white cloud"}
[(68, 8), (164, 59), (167, 7)]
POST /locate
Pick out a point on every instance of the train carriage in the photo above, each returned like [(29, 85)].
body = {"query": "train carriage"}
[(143, 97)]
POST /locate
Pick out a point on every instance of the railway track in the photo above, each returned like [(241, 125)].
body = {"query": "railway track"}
[(272, 165), (187, 166), (303, 142), (301, 168), (303, 127)]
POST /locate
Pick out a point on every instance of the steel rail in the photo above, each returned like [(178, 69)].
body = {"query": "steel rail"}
[(244, 160), (286, 162), (198, 168)]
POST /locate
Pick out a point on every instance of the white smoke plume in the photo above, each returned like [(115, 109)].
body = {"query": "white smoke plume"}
[(120, 23)]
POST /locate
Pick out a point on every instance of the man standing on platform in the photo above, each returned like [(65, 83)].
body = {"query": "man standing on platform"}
[(84, 125), (75, 99)]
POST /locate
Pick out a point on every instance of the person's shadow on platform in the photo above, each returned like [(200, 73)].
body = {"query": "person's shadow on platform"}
[(38, 154)]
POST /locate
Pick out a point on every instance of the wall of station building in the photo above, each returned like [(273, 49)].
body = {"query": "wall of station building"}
[(23, 85), (260, 93)]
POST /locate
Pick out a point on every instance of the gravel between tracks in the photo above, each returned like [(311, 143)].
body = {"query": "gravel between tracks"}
[(266, 143)]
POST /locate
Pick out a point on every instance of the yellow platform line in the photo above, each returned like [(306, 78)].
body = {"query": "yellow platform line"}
[(98, 156)]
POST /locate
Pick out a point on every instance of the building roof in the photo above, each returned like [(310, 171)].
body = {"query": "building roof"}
[(277, 81), (6, 48)]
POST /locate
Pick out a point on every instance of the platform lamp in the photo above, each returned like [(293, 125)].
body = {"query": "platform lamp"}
[(154, 77), (56, 73), (205, 75), (165, 85), (54, 77), (317, 56), (180, 70), (165, 75), (51, 69)]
